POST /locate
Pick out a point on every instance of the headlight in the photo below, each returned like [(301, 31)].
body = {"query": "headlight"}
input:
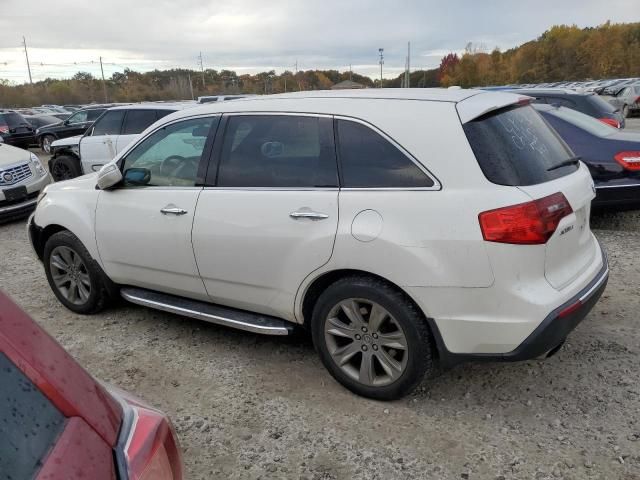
[(37, 164)]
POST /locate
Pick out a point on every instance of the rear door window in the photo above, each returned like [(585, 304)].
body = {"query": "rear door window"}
[(29, 424), (12, 120), (516, 147), (109, 124), (368, 160), (137, 121), (278, 151), (92, 115)]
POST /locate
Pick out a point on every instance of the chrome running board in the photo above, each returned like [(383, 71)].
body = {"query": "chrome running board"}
[(229, 317)]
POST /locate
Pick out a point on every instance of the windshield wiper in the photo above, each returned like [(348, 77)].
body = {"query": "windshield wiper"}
[(566, 163)]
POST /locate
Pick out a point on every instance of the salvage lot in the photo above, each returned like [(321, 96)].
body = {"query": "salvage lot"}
[(247, 406)]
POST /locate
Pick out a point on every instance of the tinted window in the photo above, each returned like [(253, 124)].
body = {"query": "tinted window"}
[(561, 101), (514, 146), (109, 123), (168, 157), (137, 121), (92, 115), (79, 117), (369, 160), (585, 122), (12, 120), (278, 151), (29, 424), (601, 105), (162, 113)]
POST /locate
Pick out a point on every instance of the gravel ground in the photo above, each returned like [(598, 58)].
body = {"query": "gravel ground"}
[(247, 406)]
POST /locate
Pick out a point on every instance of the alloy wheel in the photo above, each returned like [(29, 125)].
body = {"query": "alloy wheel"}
[(70, 275), (46, 144), (366, 342), (61, 171)]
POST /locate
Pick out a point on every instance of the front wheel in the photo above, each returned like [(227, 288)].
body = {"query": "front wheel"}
[(65, 167), (74, 276), (372, 338)]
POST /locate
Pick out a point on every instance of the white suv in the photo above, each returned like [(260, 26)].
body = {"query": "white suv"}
[(110, 134), (401, 227)]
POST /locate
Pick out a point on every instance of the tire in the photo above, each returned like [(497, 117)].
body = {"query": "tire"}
[(45, 143), (64, 249), (65, 167), (625, 111), (396, 370)]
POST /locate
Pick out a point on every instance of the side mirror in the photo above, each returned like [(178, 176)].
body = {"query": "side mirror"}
[(108, 176), (66, 122), (137, 176)]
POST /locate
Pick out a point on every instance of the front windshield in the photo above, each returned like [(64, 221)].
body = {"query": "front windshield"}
[(585, 122)]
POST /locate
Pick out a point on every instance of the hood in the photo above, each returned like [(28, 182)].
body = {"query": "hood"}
[(49, 126), (11, 155), (67, 142), (84, 182)]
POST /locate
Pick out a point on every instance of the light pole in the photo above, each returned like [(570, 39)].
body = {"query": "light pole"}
[(381, 52)]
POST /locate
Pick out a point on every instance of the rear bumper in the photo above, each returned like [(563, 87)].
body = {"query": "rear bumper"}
[(551, 332), (617, 195)]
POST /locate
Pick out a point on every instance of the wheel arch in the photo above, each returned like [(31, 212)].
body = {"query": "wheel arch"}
[(41, 235), (315, 287)]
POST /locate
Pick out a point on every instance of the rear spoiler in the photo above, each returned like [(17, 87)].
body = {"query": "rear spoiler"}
[(478, 105)]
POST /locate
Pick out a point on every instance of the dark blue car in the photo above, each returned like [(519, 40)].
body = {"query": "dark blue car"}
[(613, 156)]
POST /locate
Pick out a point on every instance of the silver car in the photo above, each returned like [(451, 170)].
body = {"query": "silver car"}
[(626, 98), (22, 178)]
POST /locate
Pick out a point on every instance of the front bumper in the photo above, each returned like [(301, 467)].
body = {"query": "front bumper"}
[(551, 332), (19, 209)]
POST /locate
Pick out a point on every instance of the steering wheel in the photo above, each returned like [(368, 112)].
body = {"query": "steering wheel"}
[(170, 164)]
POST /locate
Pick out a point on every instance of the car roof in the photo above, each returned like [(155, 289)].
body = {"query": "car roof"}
[(156, 106), (469, 103)]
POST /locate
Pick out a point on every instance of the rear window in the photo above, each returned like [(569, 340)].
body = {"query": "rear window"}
[(29, 424), (516, 147), (601, 105), (12, 120)]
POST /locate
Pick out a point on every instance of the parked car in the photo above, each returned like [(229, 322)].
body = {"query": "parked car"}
[(228, 212), (221, 98), (626, 99), (76, 124), (15, 129), (588, 103), (613, 156), (37, 121), (111, 132), (22, 178), (58, 422)]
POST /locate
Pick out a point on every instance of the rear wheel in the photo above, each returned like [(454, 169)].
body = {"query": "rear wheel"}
[(74, 276), (372, 338), (46, 143), (65, 167)]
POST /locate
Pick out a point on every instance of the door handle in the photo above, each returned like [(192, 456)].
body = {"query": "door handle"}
[(172, 211), (308, 214)]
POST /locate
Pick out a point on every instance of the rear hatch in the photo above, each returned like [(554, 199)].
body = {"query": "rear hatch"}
[(516, 147), (15, 124)]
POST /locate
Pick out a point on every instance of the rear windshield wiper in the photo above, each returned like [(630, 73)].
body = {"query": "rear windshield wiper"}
[(565, 163)]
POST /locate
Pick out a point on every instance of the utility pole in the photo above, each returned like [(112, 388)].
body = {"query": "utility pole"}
[(350, 74), (24, 42), (381, 61), (408, 64), (191, 87), (104, 83), (204, 85)]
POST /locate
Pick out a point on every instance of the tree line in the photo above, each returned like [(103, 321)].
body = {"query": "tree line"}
[(561, 53)]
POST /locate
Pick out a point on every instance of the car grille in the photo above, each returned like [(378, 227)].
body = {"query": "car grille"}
[(13, 175)]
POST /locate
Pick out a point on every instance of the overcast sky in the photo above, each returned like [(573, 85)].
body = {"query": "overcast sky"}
[(65, 36)]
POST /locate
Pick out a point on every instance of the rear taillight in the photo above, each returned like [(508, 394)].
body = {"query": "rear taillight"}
[(531, 223), (4, 129), (637, 100), (148, 447), (152, 450), (611, 122), (628, 160)]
